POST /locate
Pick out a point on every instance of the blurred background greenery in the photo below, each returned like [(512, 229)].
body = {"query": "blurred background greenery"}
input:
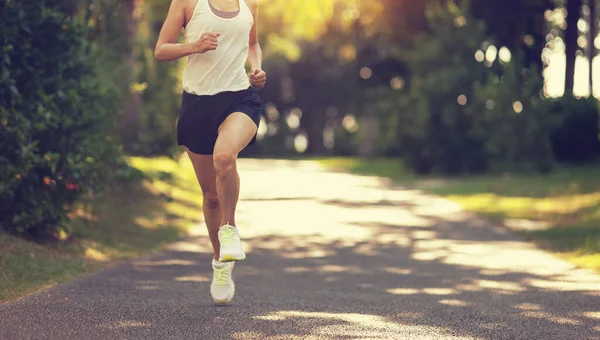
[(430, 88)]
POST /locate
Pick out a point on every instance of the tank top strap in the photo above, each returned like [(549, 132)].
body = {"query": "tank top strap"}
[(245, 8), (200, 6), (246, 5)]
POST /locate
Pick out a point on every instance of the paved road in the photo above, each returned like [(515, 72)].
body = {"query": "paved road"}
[(330, 256)]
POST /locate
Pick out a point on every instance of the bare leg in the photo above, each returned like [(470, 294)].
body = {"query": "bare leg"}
[(207, 177), (234, 134)]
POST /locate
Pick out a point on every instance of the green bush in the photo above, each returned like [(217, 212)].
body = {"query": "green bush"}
[(160, 109), (155, 84), (463, 116), (576, 140), (55, 117), (426, 123), (513, 120)]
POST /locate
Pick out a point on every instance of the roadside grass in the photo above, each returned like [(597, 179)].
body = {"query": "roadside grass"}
[(563, 206), (126, 221)]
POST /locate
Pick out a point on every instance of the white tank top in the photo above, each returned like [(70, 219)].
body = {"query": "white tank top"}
[(223, 69)]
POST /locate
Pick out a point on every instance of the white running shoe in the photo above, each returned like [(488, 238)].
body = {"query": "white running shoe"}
[(230, 245), (222, 288)]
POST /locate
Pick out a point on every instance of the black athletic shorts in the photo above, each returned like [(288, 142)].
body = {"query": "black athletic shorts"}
[(201, 116)]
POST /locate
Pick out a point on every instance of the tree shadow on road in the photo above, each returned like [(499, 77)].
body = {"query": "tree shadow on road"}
[(455, 278), (450, 276)]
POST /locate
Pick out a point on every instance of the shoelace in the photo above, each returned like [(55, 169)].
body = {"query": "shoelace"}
[(227, 237), (221, 276)]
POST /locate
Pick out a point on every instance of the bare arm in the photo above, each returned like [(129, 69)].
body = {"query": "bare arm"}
[(167, 49), (257, 76)]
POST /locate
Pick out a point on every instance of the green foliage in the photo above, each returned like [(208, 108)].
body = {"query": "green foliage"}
[(55, 118), (513, 120), (576, 140), (161, 98), (428, 126), (463, 116), (156, 84)]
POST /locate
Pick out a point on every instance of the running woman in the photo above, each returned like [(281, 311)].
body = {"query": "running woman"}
[(220, 111)]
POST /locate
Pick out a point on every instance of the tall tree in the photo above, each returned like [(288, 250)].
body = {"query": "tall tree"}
[(571, 46), (591, 48), (516, 24), (133, 104)]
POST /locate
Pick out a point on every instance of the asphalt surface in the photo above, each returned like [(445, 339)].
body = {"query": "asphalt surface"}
[(330, 256)]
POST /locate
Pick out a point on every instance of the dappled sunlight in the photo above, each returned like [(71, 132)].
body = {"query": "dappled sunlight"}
[(429, 255), (403, 291), (351, 324), (147, 265), (82, 213), (367, 249), (528, 306), (439, 291), (447, 88), (314, 253), (149, 165), (469, 287), (192, 246), (592, 315), (125, 221), (493, 272), (347, 257), (305, 247), (454, 303), (500, 286), (338, 213), (498, 255), (584, 260), (147, 285), (564, 286), (127, 324), (95, 255), (427, 291), (100, 252), (250, 335), (165, 263), (340, 269), (183, 211), (554, 210), (176, 183), (358, 213), (194, 278), (527, 225), (148, 223), (297, 270), (424, 234), (550, 317), (399, 271), (437, 207)]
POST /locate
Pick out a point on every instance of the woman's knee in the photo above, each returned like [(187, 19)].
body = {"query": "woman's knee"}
[(224, 161), (211, 200)]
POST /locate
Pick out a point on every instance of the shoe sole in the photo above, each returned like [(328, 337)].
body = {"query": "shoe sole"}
[(223, 302), (231, 258)]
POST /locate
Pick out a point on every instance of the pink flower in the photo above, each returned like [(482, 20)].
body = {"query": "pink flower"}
[(72, 186)]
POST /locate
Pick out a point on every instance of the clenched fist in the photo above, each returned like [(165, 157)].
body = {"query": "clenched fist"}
[(207, 42), (258, 78)]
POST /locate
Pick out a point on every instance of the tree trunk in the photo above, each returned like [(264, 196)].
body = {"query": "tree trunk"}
[(311, 98), (130, 125), (591, 41), (571, 48)]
